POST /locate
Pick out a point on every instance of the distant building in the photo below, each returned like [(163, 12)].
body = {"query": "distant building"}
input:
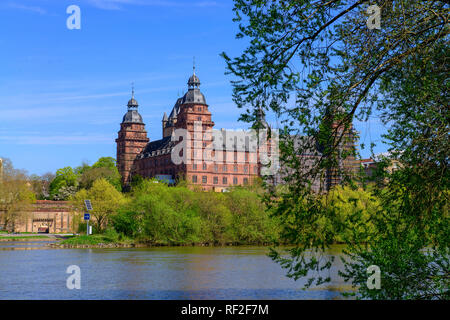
[(43, 216), (369, 166), (311, 154)]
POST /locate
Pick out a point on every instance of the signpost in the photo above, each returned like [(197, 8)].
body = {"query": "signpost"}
[(87, 215)]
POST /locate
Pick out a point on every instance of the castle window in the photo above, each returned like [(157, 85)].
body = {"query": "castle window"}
[(194, 166), (235, 180), (245, 180), (194, 179), (245, 169), (224, 180), (255, 169), (224, 168), (204, 179), (216, 180), (199, 118), (235, 168), (204, 166), (216, 168)]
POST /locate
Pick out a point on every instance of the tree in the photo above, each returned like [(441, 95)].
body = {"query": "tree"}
[(105, 168), (65, 177), (105, 200), (16, 195), (41, 184), (338, 70)]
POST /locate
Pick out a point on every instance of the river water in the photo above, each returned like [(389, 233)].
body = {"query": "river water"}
[(30, 270)]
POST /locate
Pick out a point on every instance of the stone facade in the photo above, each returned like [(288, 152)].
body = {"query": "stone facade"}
[(238, 165), (135, 156), (53, 216), (131, 141)]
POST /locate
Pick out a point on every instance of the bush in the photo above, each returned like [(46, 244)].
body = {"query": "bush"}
[(160, 213)]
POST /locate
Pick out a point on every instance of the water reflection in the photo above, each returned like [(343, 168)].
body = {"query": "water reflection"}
[(30, 270)]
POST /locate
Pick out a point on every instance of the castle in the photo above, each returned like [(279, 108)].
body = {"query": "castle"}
[(136, 155), (238, 164)]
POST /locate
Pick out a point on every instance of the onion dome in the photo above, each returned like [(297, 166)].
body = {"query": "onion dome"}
[(132, 115), (132, 103), (193, 95), (194, 81)]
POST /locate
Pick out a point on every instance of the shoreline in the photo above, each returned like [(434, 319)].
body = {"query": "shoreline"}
[(27, 239), (150, 245)]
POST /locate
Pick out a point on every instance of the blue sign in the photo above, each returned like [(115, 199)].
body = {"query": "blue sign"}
[(87, 216)]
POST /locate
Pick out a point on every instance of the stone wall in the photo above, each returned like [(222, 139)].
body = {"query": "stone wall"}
[(56, 216)]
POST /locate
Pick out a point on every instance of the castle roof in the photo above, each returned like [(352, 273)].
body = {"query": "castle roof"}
[(132, 116), (158, 147), (193, 95)]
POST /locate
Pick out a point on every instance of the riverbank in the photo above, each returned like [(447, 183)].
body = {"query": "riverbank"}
[(107, 241), (24, 238)]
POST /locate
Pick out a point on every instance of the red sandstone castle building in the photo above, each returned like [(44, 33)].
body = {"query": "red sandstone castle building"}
[(233, 163), (136, 155)]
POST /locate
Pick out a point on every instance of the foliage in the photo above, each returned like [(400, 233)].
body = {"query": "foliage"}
[(164, 214), (68, 180), (105, 168), (65, 177), (105, 201), (16, 195), (41, 184), (338, 69)]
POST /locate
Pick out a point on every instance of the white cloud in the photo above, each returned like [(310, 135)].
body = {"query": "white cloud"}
[(37, 139), (118, 4), (27, 8)]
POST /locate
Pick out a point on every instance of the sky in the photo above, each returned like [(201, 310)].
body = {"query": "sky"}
[(63, 92)]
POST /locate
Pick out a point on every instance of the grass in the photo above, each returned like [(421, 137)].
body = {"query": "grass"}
[(23, 237), (91, 240)]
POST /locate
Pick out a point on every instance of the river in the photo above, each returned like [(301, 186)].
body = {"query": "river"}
[(30, 270)]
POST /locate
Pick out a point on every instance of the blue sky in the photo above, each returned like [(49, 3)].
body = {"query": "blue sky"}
[(63, 92)]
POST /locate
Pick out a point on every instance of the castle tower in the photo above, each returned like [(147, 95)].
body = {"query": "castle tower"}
[(164, 121), (193, 107), (345, 151), (131, 141)]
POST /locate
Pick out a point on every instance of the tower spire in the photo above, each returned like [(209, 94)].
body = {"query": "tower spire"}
[(194, 81), (132, 103)]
